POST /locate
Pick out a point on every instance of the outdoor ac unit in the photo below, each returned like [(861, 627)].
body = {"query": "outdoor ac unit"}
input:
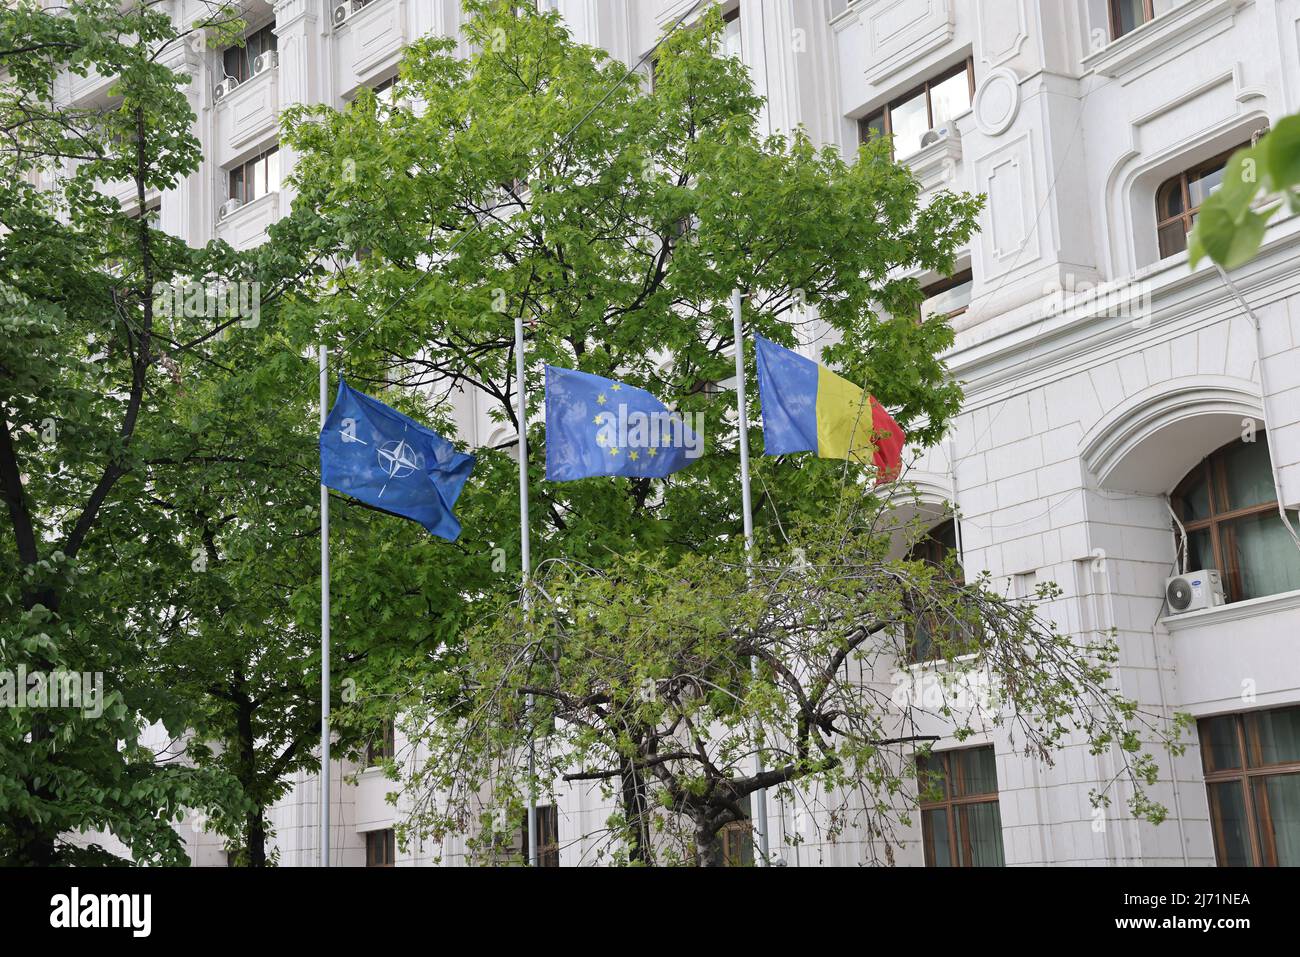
[(264, 61), (1194, 591), (224, 87), (935, 135), (342, 12), (228, 207)]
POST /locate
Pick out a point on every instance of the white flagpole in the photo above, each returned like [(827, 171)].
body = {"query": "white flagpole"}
[(324, 637), (526, 561), (760, 796)]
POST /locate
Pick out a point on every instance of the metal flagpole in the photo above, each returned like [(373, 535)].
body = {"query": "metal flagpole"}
[(760, 796), (526, 561), (324, 637)]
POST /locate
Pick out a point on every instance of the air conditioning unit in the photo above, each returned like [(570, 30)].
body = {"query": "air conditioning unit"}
[(264, 61), (224, 87), (342, 12), (935, 135), (228, 207), (1194, 591)]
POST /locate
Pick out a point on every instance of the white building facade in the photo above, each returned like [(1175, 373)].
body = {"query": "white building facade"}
[(1111, 392)]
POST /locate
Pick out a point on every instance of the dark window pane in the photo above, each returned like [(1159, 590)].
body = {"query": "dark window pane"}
[(874, 125), (232, 63), (1274, 736), (1277, 806), (1195, 496), (1173, 238), (1264, 553), (931, 781), (1200, 554), (1220, 750), (934, 825), (1129, 15), (977, 773), (1169, 201), (1228, 814), (982, 826), (1249, 475), (237, 184)]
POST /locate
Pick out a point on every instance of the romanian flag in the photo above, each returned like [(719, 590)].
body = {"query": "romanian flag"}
[(808, 408)]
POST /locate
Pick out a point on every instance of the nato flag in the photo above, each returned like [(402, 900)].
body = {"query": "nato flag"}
[(382, 458), (598, 426)]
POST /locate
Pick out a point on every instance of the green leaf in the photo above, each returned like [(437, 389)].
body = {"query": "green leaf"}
[(1282, 148)]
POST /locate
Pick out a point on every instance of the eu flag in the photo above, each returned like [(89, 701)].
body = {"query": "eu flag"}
[(390, 461), (598, 426)]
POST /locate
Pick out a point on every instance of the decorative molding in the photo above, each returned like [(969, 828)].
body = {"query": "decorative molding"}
[(1118, 433), (900, 32), (1001, 22), (997, 101), (1237, 611), (1187, 22)]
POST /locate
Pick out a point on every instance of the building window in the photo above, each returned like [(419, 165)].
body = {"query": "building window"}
[(961, 825), (1228, 508), (731, 33), (381, 848), (1127, 15), (736, 840), (1179, 199), (237, 61), (1252, 774), (947, 297), (930, 106), (382, 746), (935, 549), (548, 836), (256, 177)]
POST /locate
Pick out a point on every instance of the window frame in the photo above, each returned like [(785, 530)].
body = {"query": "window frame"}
[(1214, 470), (1248, 746), (950, 803), (244, 61), (381, 847), (1184, 180), (1112, 11), (548, 836), (940, 286), (244, 168), (885, 111), (933, 552), (386, 746)]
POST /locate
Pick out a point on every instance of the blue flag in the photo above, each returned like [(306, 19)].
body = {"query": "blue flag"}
[(597, 426), (390, 461)]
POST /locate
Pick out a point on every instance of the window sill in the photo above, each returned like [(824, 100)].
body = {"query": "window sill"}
[(1237, 611), (1188, 21)]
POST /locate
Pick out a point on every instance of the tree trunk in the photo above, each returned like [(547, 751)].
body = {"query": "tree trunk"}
[(255, 837), (637, 814), (708, 849)]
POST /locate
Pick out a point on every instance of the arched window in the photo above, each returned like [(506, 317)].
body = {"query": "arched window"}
[(1228, 507), (934, 549)]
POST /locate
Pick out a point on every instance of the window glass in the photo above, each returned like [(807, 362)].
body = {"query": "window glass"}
[(978, 771), (874, 126), (731, 37), (982, 825), (1169, 201), (1127, 15), (1277, 734), (1228, 813), (1249, 474), (911, 121), (950, 98), (1203, 184), (1277, 800), (1262, 549), (1220, 749), (935, 824), (1196, 496)]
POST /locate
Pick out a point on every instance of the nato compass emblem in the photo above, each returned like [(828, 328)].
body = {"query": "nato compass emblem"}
[(397, 460)]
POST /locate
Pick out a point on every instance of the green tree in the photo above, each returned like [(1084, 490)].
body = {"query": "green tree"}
[(536, 180)]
